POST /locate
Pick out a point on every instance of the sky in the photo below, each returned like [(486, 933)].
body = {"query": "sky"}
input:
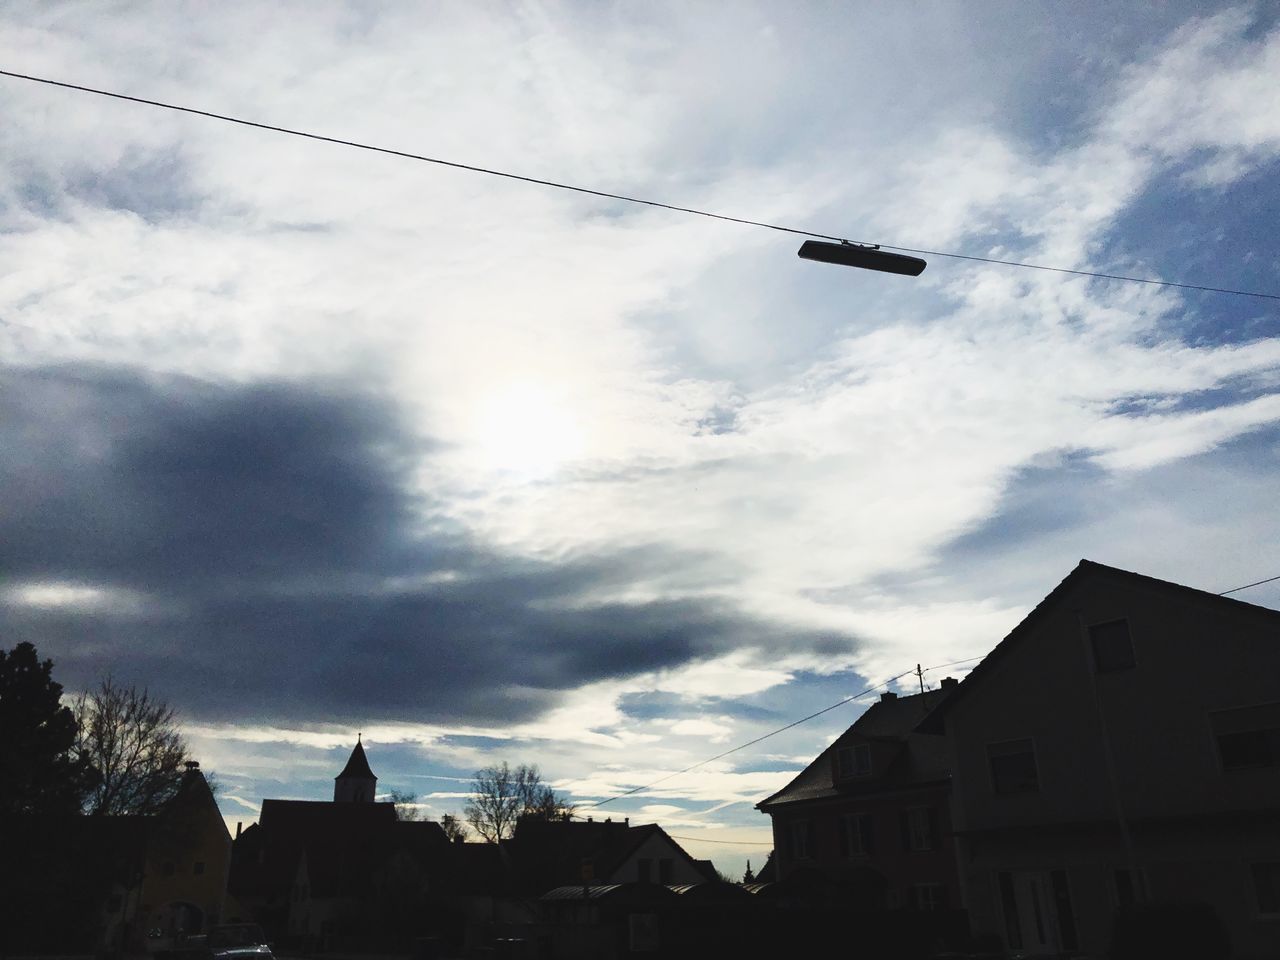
[(312, 441)]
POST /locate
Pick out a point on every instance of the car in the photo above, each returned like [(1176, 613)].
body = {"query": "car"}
[(237, 941)]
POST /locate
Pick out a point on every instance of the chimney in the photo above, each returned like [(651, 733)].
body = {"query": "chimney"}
[(887, 696), (193, 765), (608, 819), (239, 824), (949, 682), (459, 839), (589, 820), (627, 821)]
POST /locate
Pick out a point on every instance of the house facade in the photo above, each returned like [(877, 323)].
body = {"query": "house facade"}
[(1121, 745), (84, 884), (871, 814)]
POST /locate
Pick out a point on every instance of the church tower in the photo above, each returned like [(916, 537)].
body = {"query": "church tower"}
[(356, 783)]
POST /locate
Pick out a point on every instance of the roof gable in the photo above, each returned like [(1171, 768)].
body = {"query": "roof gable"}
[(1084, 572), (888, 726)]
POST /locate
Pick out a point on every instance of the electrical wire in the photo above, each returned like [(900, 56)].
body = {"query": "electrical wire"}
[(339, 141), (772, 733), (749, 743), (744, 843), (1256, 583)]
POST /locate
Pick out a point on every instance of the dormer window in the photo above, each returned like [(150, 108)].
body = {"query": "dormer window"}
[(853, 761)]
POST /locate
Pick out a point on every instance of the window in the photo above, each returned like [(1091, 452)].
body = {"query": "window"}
[(1130, 887), (1266, 887), (1248, 737), (664, 870), (853, 761), (1009, 907), (920, 828), (198, 868), (801, 840), (644, 870), (855, 834), (1013, 767), (1112, 646), (929, 896)]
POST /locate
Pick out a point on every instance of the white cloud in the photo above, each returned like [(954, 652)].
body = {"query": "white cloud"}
[(569, 352)]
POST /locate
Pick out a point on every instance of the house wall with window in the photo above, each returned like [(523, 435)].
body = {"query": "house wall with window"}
[(656, 860), (1121, 707), (871, 813)]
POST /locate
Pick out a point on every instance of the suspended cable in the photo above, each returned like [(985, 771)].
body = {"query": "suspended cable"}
[(1256, 583), (558, 185), (749, 743)]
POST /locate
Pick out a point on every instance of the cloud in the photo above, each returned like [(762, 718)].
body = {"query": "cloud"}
[(299, 576), (492, 471)]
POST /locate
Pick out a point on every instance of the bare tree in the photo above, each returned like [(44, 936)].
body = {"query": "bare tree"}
[(133, 742), (406, 805), (454, 828), (501, 795)]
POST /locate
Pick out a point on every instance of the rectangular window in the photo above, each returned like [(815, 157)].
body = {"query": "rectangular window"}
[(664, 870), (1130, 887), (198, 868), (929, 896), (853, 761), (801, 840), (1013, 767), (1009, 907), (644, 870), (1248, 737), (1112, 646), (1066, 912), (855, 834), (1266, 887), (921, 828)]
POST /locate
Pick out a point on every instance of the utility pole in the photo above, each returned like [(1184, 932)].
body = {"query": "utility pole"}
[(920, 677)]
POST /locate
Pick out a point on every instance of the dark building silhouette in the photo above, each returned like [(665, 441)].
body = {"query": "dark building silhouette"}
[(550, 853), (80, 884), (871, 814), (356, 783), (311, 869), (1121, 744)]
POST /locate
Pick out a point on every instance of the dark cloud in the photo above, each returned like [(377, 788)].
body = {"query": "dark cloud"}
[(289, 572)]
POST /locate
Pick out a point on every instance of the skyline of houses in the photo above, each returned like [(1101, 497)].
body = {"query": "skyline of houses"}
[(1119, 747)]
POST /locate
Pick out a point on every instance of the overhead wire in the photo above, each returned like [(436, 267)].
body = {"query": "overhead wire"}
[(1256, 583), (749, 743), (773, 733), (605, 194)]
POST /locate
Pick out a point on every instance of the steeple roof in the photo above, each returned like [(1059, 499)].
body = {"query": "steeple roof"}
[(358, 766)]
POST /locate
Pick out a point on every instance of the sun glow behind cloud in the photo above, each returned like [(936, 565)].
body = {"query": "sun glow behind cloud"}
[(527, 431)]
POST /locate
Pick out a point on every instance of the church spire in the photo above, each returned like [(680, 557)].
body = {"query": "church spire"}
[(356, 783)]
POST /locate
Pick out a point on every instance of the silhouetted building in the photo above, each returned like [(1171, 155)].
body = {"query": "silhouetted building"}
[(82, 884), (550, 853), (1121, 744), (356, 783), (870, 814), (323, 870)]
